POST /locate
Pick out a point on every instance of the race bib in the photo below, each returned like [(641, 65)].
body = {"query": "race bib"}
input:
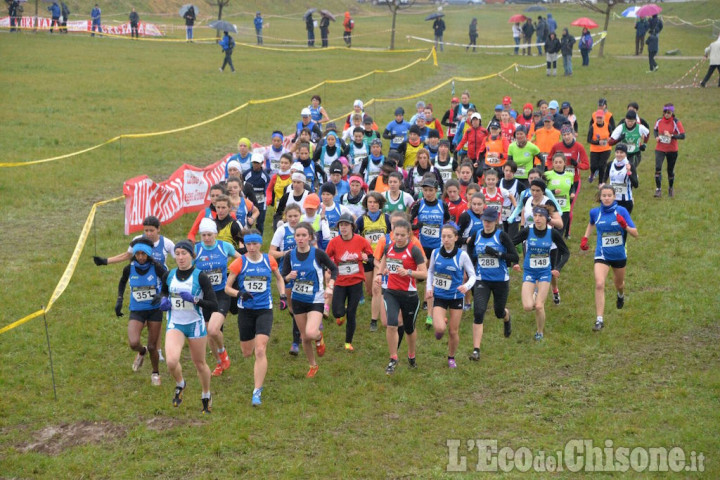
[(446, 175), (393, 265), (430, 231), (570, 170), (260, 197), (215, 276), (348, 268), (179, 304), (303, 287), (539, 261), (613, 239), (520, 172), (451, 131), (398, 140), (442, 281), (254, 284), (334, 233), (507, 211), (374, 236), (494, 206), (562, 201), (631, 148), (492, 159), (620, 188), (665, 138), (603, 142), (143, 294), (488, 262)]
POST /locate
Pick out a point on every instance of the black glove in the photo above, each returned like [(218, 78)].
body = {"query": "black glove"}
[(118, 307), (245, 296), (643, 147), (283, 302), (100, 261), (493, 252), (156, 300)]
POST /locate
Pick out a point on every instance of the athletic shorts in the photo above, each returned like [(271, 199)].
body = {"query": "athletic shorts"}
[(190, 330), (223, 300), (301, 307), (397, 302), (537, 276), (452, 304), (143, 316), (369, 265), (428, 251), (254, 322), (612, 263)]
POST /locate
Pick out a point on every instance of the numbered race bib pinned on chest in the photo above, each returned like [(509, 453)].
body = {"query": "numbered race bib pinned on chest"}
[(621, 189), (393, 265), (486, 261), (539, 261), (430, 230), (442, 281), (348, 268), (254, 284), (215, 276), (303, 287), (143, 294), (611, 239)]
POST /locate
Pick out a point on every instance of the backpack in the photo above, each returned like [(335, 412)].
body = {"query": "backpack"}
[(231, 43), (586, 42)]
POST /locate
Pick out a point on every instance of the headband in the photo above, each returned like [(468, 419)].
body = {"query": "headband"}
[(252, 238)]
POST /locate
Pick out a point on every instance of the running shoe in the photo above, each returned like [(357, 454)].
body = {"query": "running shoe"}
[(598, 326), (218, 370), (428, 322), (373, 325), (294, 349), (349, 348), (658, 193), (451, 363), (256, 400), (412, 362), (591, 177), (424, 306), (538, 336), (671, 192), (320, 345), (177, 400), (139, 359), (556, 298), (340, 321), (206, 405), (475, 355), (160, 357), (620, 302), (467, 307), (362, 300), (390, 369), (155, 379), (224, 360), (507, 327), (312, 372)]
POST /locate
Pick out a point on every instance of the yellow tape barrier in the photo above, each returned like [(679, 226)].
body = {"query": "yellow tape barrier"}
[(69, 270), (223, 115)]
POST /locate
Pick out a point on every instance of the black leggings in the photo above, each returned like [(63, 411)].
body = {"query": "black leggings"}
[(499, 290), (671, 159), (397, 301), (598, 163), (352, 294), (566, 224)]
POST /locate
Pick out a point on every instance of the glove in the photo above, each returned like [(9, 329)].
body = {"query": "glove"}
[(99, 261), (187, 296), (584, 244), (493, 252), (118, 307), (621, 221), (643, 147), (283, 302), (246, 296), (156, 300), (165, 304)]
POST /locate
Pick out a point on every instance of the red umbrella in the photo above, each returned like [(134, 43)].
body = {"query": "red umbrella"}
[(584, 22), (517, 18), (648, 10)]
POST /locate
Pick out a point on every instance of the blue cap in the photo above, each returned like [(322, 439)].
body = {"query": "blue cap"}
[(553, 104), (498, 107)]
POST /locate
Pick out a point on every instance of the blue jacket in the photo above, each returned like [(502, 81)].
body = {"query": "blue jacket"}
[(652, 43), (227, 43), (55, 9), (641, 27), (258, 23), (551, 23), (95, 14)]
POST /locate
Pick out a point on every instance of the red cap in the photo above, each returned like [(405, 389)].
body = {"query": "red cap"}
[(600, 113), (528, 105), (507, 100), (455, 100)]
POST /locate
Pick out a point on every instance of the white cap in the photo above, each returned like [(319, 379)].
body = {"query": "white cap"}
[(476, 115), (234, 164), (298, 177), (358, 103), (297, 167), (305, 112), (207, 225), (257, 158)]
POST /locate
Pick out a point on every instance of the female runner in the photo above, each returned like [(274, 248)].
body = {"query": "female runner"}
[(445, 285), (186, 292), (282, 242), (612, 222), (254, 272)]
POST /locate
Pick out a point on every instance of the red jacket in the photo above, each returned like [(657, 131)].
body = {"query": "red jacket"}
[(475, 139)]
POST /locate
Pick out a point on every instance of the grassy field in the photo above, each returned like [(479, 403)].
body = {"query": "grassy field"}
[(649, 380)]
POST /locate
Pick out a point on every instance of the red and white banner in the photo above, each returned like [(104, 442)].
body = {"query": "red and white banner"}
[(187, 190), (145, 29)]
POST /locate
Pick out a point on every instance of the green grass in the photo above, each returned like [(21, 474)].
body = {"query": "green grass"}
[(650, 379)]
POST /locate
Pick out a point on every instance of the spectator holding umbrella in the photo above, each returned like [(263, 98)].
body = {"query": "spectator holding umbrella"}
[(324, 29), (528, 30), (310, 27), (655, 23), (227, 44), (134, 22), (439, 29), (189, 17), (517, 30), (586, 44), (712, 52)]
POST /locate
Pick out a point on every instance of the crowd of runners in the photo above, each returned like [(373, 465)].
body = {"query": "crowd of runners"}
[(427, 214)]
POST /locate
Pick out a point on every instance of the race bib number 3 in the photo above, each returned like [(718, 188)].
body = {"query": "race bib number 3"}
[(612, 240), (541, 261), (254, 284), (143, 294), (348, 268)]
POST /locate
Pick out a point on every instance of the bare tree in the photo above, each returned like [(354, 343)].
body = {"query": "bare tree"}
[(605, 7), (220, 4), (394, 6)]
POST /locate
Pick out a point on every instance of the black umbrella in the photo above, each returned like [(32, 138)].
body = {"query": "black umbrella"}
[(326, 13), (223, 25), (536, 8), (433, 16), (187, 7), (309, 12)]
